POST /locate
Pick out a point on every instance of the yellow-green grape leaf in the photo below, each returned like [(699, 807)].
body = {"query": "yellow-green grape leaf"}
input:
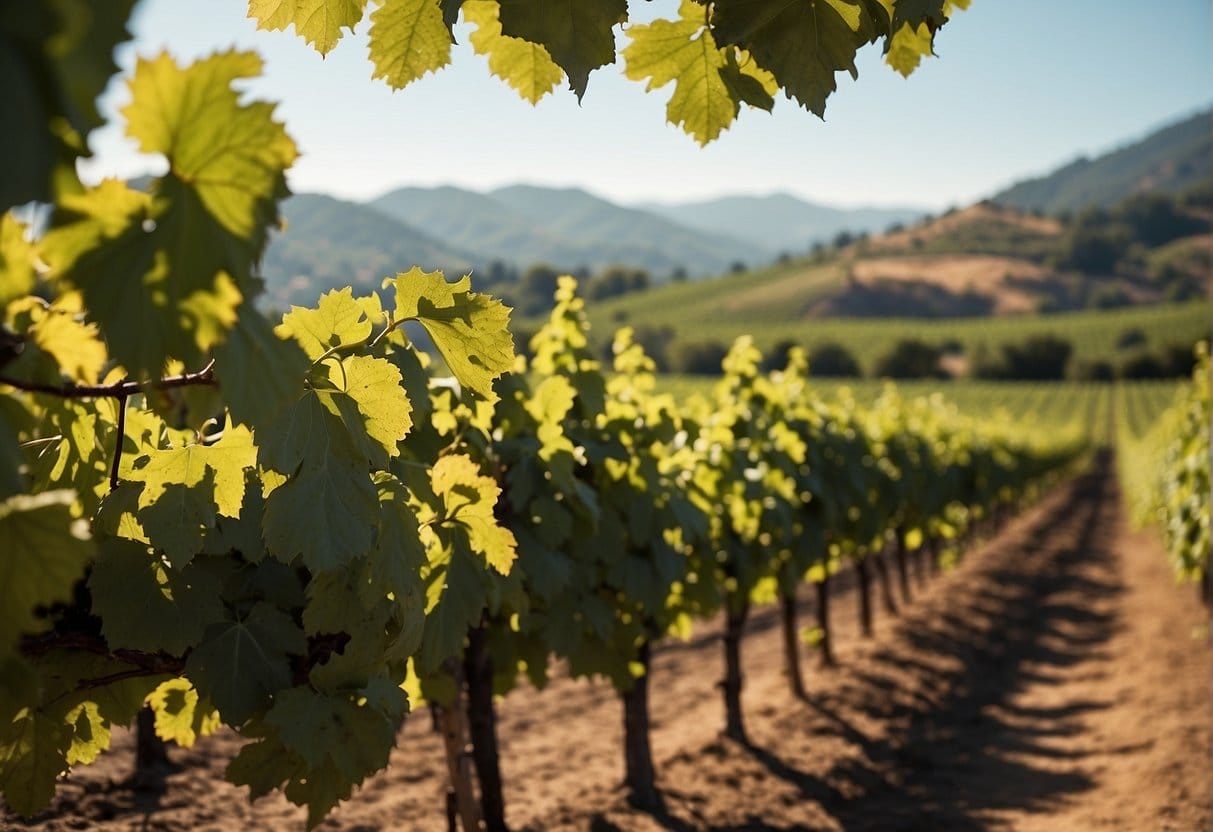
[(164, 274), (470, 330), (408, 39), (184, 488), (73, 343), (229, 155), (227, 460), (45, 551), (802, 43), (90, 734), (366, 395), (527, 67), (578, 34), (144, 605), (468, 499), (16, 260), (181, 716), (684, 52), (339, 319), (55, 59), (318, 22), (33, 751), (908, 47)]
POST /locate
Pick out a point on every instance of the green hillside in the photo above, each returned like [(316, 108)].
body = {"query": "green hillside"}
[(328, 242), (1169, 160)]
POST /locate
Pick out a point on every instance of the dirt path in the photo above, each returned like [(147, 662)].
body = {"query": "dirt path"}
[(1057, 681)]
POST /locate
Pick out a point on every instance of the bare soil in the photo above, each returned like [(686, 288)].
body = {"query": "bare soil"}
[(1056, 680)]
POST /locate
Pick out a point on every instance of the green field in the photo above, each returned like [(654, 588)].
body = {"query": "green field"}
[(1094, 334)]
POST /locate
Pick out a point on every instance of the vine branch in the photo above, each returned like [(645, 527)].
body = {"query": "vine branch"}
[(119, 390)]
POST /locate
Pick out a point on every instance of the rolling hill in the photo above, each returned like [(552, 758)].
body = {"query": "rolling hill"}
[(328, 242), (780, 222), (1168, 160)]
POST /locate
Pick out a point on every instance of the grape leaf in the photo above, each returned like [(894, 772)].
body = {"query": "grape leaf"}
[(684, 52), (45, 551), (802, 43), (90, 734), (365, 393), (338, 320), (408, 39), (455, 600), (181, 715), (240, 664), (470, 330), (908, 47), (55, 59), (16, 260), (33, 750), (328, 510), (318, 22), (226, 459), (143, 605), (73, 344), (164, 273), (525, 66), (468, 499), (259, 373), (578, 34)]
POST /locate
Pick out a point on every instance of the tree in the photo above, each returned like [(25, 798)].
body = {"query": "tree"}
[(909, 358), (277, 524), (833, 359)]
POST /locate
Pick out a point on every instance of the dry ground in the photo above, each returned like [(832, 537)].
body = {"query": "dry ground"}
[(1057, 680)]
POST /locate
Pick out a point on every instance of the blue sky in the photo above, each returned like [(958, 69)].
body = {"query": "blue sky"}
[(1020, 86)]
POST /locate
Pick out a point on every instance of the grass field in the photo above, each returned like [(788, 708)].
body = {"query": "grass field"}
[(1094, 334)]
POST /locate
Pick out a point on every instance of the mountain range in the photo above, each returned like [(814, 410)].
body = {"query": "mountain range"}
[(331, 242), (1168, 160)]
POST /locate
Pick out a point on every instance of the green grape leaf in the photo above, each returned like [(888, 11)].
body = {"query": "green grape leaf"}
[(16, 260), (450, 14), (339, 320), (321, 745), (90, 734), (318, 22), (55, 59), (704, 103), (13, 419), (915, 12), (45, 551), (239, 665), (527, 67), (469, 329), (468, 499), (259, 373), (144, 605), (578, 34), (908, 47), (802, 43), (33, 750), (328, 510), (164, 273), (394, 564), (408, 39), (181, 715), (455, 600)]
